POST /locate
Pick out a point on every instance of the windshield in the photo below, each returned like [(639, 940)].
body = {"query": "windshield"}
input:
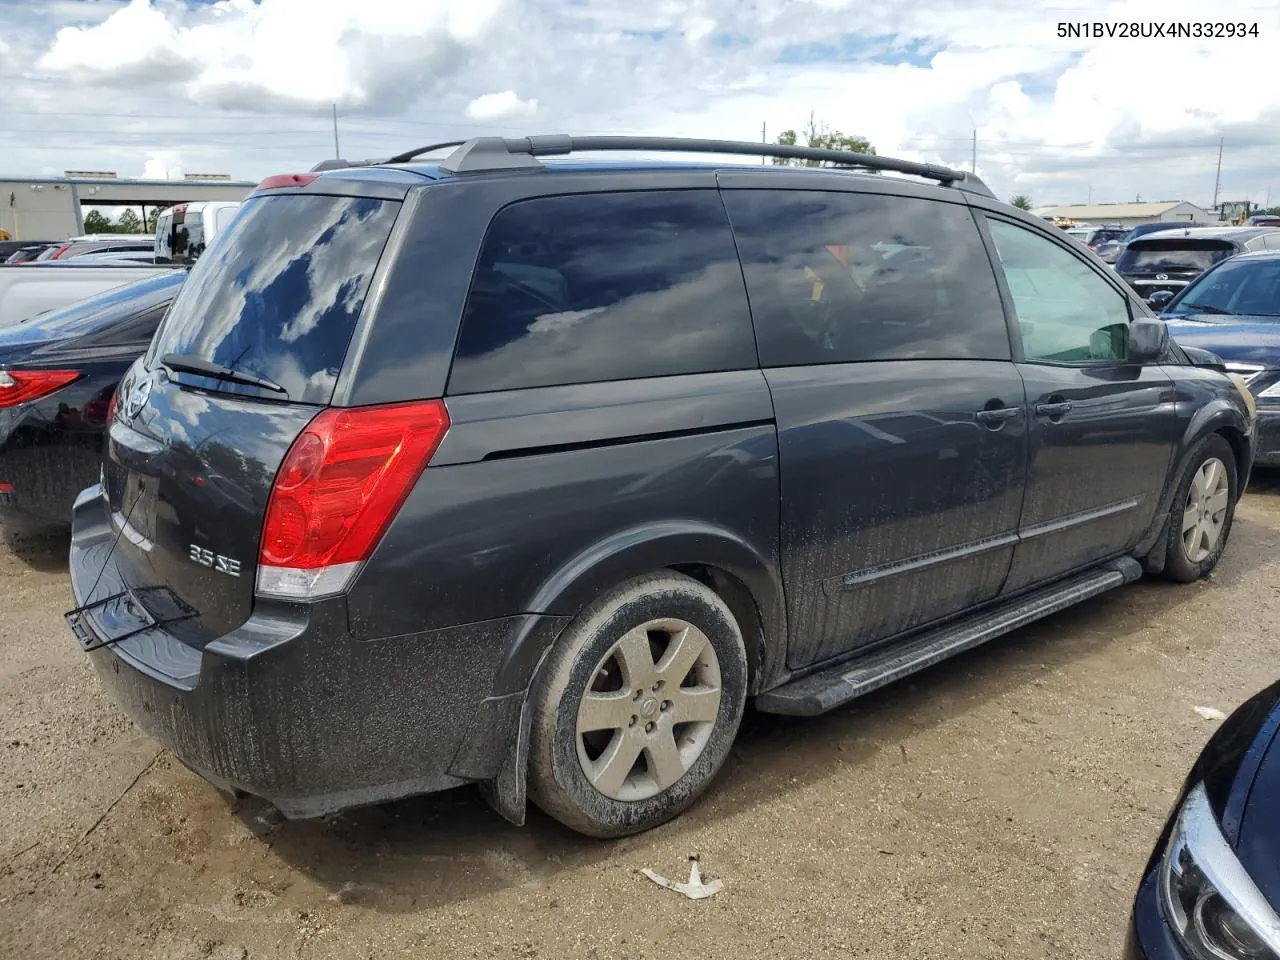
[(1240, 287), (1174, 255), (279, 297)]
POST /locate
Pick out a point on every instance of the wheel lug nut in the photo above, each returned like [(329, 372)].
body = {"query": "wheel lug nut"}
[(658, 686), (648, 727), (632, 721), (666, 705)]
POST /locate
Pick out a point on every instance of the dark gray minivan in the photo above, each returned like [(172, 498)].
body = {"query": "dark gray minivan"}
[(528, 474)]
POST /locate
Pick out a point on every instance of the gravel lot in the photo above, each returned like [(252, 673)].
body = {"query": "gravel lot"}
[(1000, 805)]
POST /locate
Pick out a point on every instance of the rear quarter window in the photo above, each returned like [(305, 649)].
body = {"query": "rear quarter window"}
[(280, 294), (593, 287)]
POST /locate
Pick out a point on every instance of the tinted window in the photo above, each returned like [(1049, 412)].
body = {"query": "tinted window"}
[(1182, 254), (280, 298), (843, 277), (1067, 313), (1244, 286), (577, 289)]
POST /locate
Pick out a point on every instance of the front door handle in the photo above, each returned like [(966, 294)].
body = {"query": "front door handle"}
[(1054, 410), (994, 418)]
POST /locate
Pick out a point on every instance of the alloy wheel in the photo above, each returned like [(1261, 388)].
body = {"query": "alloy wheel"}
[(1205, 510)]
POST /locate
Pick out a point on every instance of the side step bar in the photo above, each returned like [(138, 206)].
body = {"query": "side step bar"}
[(819, 692)]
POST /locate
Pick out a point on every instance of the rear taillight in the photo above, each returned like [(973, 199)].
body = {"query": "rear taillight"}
[(111, 407), (22, 386), (60, 251), (340, 485)]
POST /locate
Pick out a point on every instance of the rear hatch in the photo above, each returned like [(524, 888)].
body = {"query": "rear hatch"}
[(1169, 263), (248, 355)]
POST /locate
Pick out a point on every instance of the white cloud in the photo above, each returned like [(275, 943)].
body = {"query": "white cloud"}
[(245, 87), (162, 166), (498, 106)]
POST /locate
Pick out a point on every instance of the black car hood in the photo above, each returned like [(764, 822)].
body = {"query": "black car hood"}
[(1234, 339)]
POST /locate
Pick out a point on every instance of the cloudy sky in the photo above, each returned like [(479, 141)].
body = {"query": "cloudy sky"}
[(161, 87)]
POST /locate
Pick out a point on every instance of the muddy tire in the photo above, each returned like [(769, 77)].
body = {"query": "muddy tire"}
[(1202, 510), (636, 707)]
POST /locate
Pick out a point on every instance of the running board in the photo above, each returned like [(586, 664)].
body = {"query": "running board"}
[(822, 691)]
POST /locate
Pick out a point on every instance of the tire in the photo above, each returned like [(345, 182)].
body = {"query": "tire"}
[(1190, 555), (604, 669)]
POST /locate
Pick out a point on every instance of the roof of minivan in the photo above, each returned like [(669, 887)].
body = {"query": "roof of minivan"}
[(434, 171)]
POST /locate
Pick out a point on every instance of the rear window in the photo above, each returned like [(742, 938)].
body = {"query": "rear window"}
[(1158, 256), (579, 289), (280, 297)]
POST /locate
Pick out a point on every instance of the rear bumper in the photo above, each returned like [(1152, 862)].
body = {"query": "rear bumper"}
[(289, 706), (43, 465)]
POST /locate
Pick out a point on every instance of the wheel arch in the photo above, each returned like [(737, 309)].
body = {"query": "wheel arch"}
[(745, 576)]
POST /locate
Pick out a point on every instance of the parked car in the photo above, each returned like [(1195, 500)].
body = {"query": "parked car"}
[(489, 470), (28, 253), (1264, 220), (1110, 250), (1233, 311), (185, 230), (57, 375), (9, 247), (1093, 237), (1211, 889), (29, 290), (117, 243), (1160, 266)]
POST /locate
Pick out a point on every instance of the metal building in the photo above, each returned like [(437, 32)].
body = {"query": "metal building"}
[(49, 208)]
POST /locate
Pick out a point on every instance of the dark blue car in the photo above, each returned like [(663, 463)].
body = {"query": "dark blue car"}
[(1233, 310), (57, 375), (1212, 887)]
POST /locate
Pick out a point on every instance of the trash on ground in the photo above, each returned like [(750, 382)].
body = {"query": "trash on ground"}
[(1210, 713), (695, 889)]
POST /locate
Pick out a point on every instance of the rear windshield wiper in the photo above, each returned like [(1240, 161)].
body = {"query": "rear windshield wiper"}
[(207, 368), (1207, 308)]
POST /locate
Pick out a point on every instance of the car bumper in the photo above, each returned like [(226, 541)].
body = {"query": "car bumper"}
[(289, 706), (1150, 937), (43, 466), (1267, 438)]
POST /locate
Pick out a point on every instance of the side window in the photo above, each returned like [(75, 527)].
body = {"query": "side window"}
[(1067, 313), (584, 288), (845, 277)]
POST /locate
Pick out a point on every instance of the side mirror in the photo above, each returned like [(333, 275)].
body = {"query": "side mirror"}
[(1159, 299), (1148, 341)]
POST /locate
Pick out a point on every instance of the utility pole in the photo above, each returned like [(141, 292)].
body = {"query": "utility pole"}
[(337, 154), (1217, 178), (764, 138), (973, 162)]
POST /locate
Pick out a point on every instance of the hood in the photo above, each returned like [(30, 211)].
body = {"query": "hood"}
[(1234, 339), (1258, 843)]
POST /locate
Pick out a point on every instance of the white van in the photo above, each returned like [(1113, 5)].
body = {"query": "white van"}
[(185, 230)]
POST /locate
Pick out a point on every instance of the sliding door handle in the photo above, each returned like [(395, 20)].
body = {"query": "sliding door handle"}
[(1054, 410)]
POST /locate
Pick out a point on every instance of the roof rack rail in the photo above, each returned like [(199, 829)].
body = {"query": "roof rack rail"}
[(498, 153), (340, 164)]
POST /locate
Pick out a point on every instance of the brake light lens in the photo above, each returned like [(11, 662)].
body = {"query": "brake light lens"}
[(112, 405), (340, 485), (23, 386), (287, 180), (60, 251)]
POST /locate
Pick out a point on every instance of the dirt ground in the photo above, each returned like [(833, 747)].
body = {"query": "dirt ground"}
[(999, 805)]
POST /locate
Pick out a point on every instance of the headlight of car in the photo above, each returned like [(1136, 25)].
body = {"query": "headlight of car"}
[(1210, 901)]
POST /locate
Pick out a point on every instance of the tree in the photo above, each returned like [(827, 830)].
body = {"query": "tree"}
[(129, 222), (1021, 201), (95, 222), (819, 135)]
